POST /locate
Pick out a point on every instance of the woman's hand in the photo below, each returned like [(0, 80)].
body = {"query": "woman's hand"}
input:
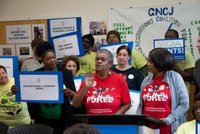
[(164, 121), (14, 89), (89, 80), (68, 92)]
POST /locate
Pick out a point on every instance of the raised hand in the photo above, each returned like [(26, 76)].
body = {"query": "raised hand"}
[(89, 80)]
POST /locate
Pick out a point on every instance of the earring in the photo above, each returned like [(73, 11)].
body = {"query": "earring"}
[(109, 73)]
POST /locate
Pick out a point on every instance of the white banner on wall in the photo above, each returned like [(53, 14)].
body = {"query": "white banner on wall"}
[(18, 34), (144, 24)]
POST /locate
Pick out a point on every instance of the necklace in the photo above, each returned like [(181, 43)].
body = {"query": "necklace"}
[(125, 68)]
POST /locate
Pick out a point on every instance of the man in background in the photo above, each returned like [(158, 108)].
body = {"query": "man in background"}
[(186, 69), (87, 62), (197, 69)]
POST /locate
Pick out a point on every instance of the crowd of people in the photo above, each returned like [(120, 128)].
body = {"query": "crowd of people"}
[(161, 80)]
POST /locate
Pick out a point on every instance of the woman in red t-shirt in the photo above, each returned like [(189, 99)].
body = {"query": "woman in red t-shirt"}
[(163, 92), (104, 92)]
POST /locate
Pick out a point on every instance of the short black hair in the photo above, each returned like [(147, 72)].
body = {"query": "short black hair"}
[(173, 30), (43, 46), (197, 97), (162, 59), (45, 52), (90, 37), (124, 47)]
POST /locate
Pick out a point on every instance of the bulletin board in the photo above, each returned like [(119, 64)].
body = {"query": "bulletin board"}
[(64, 34), (3, 25)]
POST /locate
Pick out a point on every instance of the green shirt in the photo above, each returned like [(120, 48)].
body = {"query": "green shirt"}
[(50, 111), (138, 60), (87, 63), (12, 113)]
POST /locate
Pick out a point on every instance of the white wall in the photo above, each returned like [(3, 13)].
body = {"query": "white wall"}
[(89, 10)]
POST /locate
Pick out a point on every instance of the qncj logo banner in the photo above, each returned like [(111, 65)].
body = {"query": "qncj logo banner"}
[(144, 24)]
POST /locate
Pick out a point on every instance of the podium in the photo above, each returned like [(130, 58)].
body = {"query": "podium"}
[(121, 124)]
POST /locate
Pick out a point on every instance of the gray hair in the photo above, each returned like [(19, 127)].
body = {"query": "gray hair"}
[(108, 53)]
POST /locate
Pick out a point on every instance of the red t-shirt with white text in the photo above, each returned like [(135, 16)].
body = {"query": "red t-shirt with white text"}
[(106, 96), (157, 101)]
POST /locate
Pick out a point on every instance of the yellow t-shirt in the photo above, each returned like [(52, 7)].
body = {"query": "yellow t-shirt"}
[(12, 113), (187, 128), (87, 63), (187, 63), (138, 60)]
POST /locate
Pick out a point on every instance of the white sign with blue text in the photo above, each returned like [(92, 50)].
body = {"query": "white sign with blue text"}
[(10, 63), (64, 34), (66, 46), (18, 34), (62, 26), (113, 49), (40, 87), (175, 46)]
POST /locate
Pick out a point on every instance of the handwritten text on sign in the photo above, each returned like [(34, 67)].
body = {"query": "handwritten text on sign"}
[(175, 46)]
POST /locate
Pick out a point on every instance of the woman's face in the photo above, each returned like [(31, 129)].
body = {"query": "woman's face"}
[(50, 61), (102, 63), (151, 67), (3, 76), (123, 57), (71, 65)]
